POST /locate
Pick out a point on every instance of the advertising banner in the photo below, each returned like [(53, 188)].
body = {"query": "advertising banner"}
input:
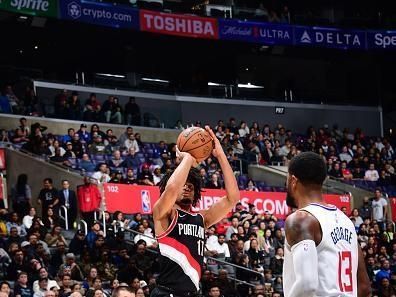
[(263, 33), (177, 24), (102, 14), (330, 37), (381, 40), (133, 199), (46, 8), (3, 165)]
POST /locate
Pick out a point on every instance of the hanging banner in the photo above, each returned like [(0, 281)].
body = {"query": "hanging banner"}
[(177, 24), (102, 14), (262, 33), (133, 199), (45, 8), (330, 37)]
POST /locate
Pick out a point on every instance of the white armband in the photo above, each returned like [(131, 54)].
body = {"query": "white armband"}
[(305, 264)]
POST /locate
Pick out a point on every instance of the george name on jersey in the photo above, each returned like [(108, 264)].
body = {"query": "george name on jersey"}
[(340, 233), (191, 230)]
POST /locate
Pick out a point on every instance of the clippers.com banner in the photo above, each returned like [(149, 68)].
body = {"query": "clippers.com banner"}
[(180, 25), (133, 199)]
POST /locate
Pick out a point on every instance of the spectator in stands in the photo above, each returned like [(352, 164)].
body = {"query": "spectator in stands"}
[(214, 182), (346, 173), (92, 109), (116, 161), (385, 272), (15, 103), (5, 106), (53, 145), (336, 171), (379, 206), (145, 177), (251, 186), (357, 219), (130, 178), (43, 273), (74, 107), (385, 289), (86, 164), (132, 112), (89, 199), (108, 109), (131, 161), (21, 195), (22, 288), (55, 236), (131, 142), (15, 223), (358, 173), (51, 219), (85, 136), (157, 175), (69, 153), (5, 288), (48, 197), (19, 136), (77, 146), (345, 155), (385, 179), (68, 199), (69, 136), (371, 174), (98, 146), (233, 228), (28, 219)]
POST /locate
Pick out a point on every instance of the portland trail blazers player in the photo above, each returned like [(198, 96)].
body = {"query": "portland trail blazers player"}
[(180, 231)]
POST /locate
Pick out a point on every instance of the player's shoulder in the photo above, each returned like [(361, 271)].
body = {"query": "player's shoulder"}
[(300, 216), (301, 225)]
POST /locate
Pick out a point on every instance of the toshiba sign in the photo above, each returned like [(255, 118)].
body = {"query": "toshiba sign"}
[(181, 25)]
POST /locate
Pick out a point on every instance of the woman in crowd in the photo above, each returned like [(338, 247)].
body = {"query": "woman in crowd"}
[(251, 186), (51, 219), (21, 195), (55, 236), (358, 219)]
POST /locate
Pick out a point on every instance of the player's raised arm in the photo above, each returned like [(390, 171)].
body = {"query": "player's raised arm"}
[(174, 186), (219, 210), (301, 229)]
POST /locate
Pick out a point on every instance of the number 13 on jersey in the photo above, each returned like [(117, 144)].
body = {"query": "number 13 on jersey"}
[(345, 271)]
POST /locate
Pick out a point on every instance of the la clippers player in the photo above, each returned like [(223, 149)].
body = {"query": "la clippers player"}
[(322, 254), (180, 232)]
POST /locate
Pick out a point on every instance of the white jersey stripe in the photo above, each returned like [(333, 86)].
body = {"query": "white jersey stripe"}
[(181, 259)]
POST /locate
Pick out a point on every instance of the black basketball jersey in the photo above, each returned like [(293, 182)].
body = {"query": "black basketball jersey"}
[(182, 249)]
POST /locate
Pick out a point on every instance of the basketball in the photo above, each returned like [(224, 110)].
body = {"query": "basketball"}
[(195, 141)]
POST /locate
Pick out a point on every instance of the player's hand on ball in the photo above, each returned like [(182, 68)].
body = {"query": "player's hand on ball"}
[(181, 155), (217, 150)]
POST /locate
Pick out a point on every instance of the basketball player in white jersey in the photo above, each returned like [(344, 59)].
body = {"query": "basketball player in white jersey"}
[(322, 255)]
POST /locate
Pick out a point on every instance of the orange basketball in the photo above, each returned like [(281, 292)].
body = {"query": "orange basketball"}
[(195, 141)]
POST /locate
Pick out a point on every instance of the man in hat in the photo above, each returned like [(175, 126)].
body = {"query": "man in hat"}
[(145, 177), (85, 136)]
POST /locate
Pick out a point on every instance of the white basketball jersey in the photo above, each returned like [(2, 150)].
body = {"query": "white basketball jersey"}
[(337, 254)]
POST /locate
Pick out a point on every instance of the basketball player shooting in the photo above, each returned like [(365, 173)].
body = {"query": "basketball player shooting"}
[(181, 232), (322, 254)]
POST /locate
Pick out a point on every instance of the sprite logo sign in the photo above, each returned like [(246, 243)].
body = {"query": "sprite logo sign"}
[(48, 8)]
